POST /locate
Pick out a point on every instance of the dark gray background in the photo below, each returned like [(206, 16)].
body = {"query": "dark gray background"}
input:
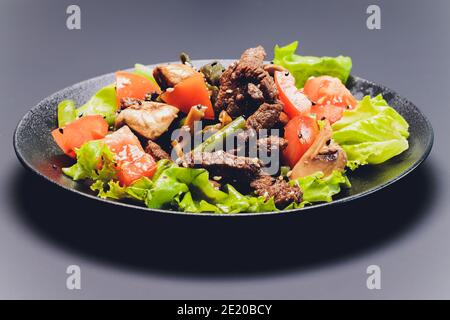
[(324, 254)]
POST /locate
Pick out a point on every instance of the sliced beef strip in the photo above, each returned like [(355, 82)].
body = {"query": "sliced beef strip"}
[(282, 192), (254, 92), (156, 151), (245, 85), (267, 116), (224, 164), (244, 170), (271, 144), (265, 145)]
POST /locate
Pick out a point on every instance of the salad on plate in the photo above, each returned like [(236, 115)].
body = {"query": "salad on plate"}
[(251, 136)]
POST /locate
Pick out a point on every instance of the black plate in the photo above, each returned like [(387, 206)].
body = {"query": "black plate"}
[(37, 151)]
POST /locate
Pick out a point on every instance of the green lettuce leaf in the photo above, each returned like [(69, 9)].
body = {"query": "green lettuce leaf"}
[(317, 188), (144, 71), (188, 204), (66, 112), (190, 190), (187, 189), (94, 161), (103, 103), (303, 67), (372, 133), (175, 181), (234, 202), (112, 189)]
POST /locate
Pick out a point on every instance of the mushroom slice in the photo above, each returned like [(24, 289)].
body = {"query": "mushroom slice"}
[(149, 119), (169, 75), (324, 155)]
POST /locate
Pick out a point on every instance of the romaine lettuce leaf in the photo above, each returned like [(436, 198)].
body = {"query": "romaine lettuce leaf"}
[(103, 103), (317, 188), (303, 67), (372, 133)]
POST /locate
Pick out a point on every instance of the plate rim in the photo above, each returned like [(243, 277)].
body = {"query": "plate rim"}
[(429, 144)]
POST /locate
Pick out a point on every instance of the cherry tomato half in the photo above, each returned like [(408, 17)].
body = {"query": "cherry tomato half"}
[(131, 85), (295, 102), (326, 90), (300, 132)]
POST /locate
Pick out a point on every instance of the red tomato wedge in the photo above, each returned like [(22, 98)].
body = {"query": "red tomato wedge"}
[(190, 92), (119, 138), (330, 112), (131, 85), (76, 133), (300, 132), (133, 162), (295, 102), (326, 90)]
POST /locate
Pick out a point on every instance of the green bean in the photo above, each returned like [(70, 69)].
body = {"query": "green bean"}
[(217, 138)]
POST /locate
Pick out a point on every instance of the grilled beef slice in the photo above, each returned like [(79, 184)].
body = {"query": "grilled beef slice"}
[(245, 85), (156, 151), (265, 145), (224, 164), (271, 144), (247, 172), (266, 117), (282, 192)]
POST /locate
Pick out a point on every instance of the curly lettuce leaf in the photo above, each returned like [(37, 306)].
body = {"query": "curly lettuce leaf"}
[(372, 133), (112, 189), (303, 67), (95, 161), (317, 188), (103, 103), (234, 202)]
